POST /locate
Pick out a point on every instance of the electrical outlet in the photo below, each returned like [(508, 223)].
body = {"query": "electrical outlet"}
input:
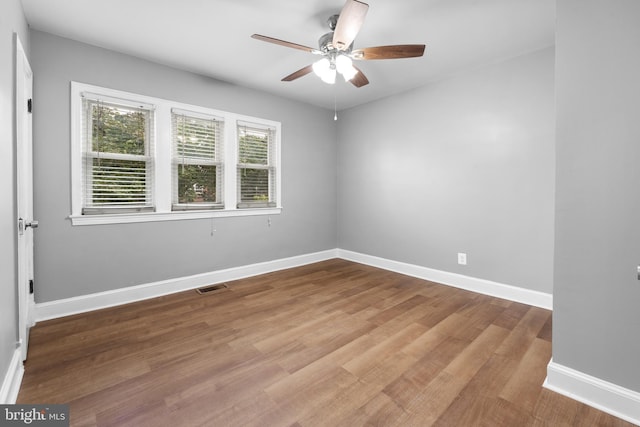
[(462, 258)]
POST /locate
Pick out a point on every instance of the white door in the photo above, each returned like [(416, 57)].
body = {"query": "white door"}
[(24, 182)]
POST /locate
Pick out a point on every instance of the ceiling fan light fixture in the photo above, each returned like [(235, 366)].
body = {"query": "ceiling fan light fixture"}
[(344, 65), (325, 70), (330, 76), (319, 67)]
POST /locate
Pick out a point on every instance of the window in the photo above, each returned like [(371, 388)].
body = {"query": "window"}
[(197, 161), (118, 164), (137, 158), (256, 166)]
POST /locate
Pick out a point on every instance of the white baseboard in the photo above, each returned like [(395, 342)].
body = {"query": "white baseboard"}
[(487, 287), (605, 396), (85, 303), (12, 379), (96, 301)]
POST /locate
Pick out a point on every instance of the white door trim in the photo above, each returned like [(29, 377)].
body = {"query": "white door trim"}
[(24, 184)]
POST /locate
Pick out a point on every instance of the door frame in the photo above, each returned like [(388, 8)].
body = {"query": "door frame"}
[(24, 196)]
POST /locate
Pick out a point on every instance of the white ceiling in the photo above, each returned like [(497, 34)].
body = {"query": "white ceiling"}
[(212, 37)]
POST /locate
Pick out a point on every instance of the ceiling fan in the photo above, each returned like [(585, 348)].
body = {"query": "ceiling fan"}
[(336, 48)]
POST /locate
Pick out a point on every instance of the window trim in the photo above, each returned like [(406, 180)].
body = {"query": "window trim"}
[(162, 179)]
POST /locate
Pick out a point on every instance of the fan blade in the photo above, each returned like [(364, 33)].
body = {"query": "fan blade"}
[(284, 43), (300, 73), (349, 23), (389, 52), (359, 79)]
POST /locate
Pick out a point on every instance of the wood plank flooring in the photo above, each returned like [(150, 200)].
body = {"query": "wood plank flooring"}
[(329, 344)]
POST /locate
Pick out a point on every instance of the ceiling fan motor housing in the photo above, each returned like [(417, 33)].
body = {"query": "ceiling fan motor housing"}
[(325, 44)]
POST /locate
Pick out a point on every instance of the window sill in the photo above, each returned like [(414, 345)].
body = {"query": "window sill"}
[(125, 218)]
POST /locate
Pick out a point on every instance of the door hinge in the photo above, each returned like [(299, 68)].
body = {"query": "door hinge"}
[(31, 286), (29, 104)]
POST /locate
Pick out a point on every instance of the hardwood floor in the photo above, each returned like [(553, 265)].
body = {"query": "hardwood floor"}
[(329, 344)]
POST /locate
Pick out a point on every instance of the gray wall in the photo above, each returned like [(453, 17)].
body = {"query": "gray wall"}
[(462, 165), (596, 320), (11, 20), (72, 261)]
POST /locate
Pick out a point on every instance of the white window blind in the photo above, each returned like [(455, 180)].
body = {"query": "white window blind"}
[(256, 180), (117, 156), (197, 161)]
